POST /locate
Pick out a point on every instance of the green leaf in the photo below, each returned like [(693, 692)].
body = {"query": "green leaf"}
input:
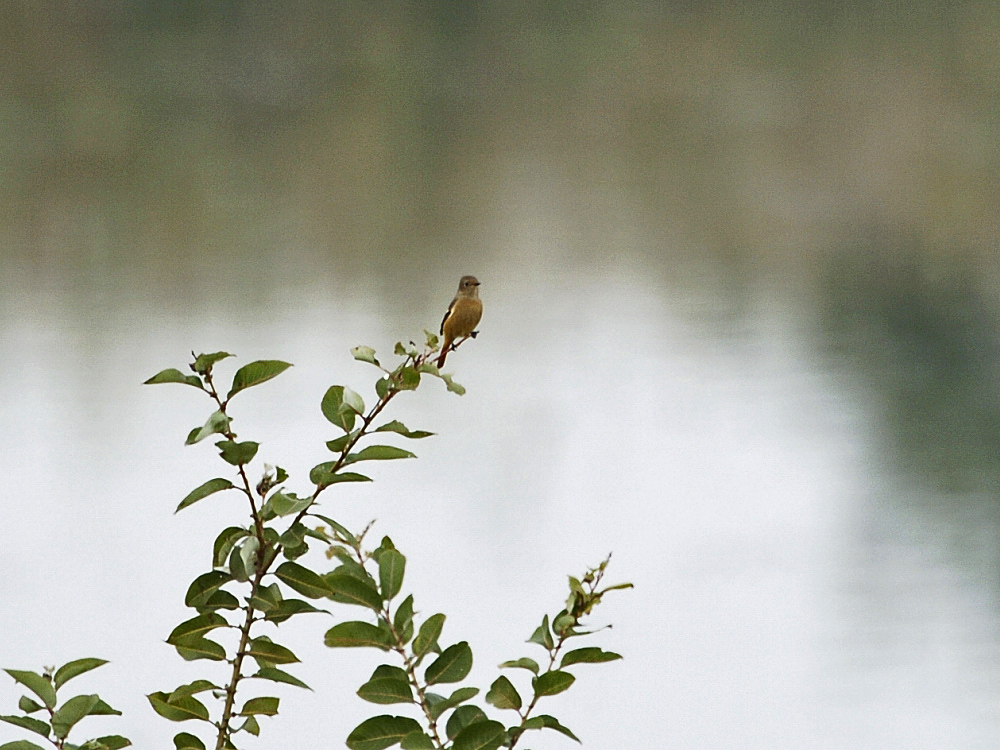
[(251, 725), (302, 580), (28, 706), (243, 559), (192, 688), (20, 745), (522, 663), (416, 741), (216, 423), (289, 608), (72, 669), (224, 544), (197, 626), (552, 683), (380, 732), (26, 722), (388, 671), (202, 587), (108, 742), (322, 475), (203, 362), (295, 534), (276, 675), (237, 454), (542, 635), (408, 349), (563, 624), (264, 650), (459, 696), (403, 618), (266, 598), (432, 339), (238, 566), (70, 713), (452, 385), (386, 690), (219, 600), (357, 634), (185, 741), (464, 716), (354, 401), (482, 735), (256, 373), (350, 567), (103, 709), (173, 375), (36, 684), (407, 379), (349, 590), (384, 546), (391, 566), (590, 655), (426, 640), (264, 706), (548, 722), (617, 587), (378, 453), (285, 505), (341, 531), (365, 354), (503, 694), (182, 709), (337, 445), (334, 410), (452, 665), (196, 647), (400, 429), (210, 487)]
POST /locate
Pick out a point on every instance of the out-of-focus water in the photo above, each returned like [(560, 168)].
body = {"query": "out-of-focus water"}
[(739, 271)]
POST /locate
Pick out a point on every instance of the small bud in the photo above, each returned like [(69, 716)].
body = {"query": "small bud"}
[(266, 481)]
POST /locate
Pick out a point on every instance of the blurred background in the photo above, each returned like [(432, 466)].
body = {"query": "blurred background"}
[(739, 264)]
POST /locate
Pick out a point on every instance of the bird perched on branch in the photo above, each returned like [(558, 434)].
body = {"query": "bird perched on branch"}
[(462, 317)]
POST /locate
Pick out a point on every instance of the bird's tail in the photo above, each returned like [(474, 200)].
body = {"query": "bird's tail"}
[(444, 351)]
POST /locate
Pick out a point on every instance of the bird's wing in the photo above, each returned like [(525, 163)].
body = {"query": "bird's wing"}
[(450, 308)]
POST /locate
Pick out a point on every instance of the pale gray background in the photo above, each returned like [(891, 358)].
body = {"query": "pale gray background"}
[(739, 269)]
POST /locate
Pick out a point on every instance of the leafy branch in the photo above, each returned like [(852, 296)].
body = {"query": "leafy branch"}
[(247, 554), (282, 524), (468, 727), (59, 720)]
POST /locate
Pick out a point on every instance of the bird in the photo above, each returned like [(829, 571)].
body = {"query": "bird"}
[(463, 316)]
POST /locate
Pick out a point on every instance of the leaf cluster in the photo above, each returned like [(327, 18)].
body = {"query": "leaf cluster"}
[(257, 575), (260, 577), (53, 719), (450, 721)]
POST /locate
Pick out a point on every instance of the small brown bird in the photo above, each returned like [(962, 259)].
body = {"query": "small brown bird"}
[(462, 317)]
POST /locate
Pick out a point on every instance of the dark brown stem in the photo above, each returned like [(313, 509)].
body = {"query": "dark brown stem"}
[(260, 571), (410, 665), (227, 710), (58, 743)]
